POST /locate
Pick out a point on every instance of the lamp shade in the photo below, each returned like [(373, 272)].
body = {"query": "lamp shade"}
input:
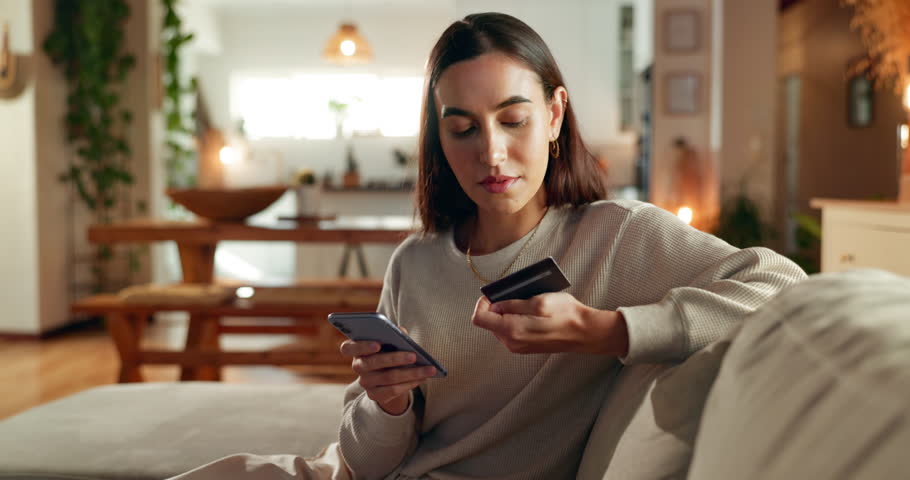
[(347, 47)]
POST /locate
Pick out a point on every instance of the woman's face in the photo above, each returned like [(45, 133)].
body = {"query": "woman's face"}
[(495, 127)]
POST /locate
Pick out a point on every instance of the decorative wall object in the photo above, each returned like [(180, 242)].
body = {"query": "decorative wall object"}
[(683, 93), (7, 61), (860, 100), (682, 31)]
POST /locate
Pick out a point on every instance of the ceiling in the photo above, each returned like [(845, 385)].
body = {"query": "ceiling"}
[(340, 7)]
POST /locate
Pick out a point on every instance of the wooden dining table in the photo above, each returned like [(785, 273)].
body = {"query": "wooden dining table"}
[(197, 240)]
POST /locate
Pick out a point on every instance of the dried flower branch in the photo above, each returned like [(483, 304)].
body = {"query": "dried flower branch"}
[(885, 29)]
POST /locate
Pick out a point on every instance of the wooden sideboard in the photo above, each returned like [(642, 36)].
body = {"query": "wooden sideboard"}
[(864, 234)]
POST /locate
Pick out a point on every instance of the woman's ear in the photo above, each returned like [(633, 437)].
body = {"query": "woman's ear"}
[(557, 110)]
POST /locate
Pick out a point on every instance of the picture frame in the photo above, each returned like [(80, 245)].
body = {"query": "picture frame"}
[(683, 95), (860, 100), (682, 30)]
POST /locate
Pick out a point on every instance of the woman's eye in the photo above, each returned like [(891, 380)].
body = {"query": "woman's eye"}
[(464, 133), (517, 124)]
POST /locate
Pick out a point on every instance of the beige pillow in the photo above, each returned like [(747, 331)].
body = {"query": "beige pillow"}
[(816, 385), (647, 425)]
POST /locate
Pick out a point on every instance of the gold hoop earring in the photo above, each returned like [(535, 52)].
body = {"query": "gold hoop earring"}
[(554, 148)]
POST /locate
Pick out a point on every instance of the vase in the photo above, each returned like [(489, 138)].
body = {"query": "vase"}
[(309, 199)]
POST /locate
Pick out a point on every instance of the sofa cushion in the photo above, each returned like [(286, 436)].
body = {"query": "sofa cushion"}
[(154, 431), (816, 385), (647, 425)]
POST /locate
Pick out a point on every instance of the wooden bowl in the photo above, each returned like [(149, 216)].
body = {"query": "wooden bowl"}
[(227, 204)]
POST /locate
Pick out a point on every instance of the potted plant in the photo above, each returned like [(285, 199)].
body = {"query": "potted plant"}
[(351, 176), (309, 193)]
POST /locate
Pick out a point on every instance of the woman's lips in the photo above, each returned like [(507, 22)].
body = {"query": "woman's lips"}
[(498, 184)]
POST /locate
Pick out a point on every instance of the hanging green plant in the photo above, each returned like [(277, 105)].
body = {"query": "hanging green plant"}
[(87, 43), (180, 163)]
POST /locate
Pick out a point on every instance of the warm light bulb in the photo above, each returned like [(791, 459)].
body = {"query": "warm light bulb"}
[(245, 292), (228, 155), (348, 48), (685, 214), (905, 136)]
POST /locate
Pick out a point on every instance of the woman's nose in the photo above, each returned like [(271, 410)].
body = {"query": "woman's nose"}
[(493, 150)]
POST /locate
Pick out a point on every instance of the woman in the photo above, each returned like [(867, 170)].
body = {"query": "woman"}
[(505, 180)]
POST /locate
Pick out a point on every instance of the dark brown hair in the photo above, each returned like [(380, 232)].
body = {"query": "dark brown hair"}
[(573, 178)]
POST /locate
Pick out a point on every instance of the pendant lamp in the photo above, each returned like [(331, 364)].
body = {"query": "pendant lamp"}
[(347, 47)]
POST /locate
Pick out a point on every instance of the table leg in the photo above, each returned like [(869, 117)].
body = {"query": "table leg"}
[(211, 339), (197, 262), (361, 260), (345, 256), (201, 334), (123, 331), (357, 249)]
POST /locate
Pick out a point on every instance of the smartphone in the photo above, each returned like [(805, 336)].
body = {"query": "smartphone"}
[(375, 327)]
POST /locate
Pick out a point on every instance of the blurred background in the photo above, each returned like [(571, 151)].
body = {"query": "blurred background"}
[(732, 114)]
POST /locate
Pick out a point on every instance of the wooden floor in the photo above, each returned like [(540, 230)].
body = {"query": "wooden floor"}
[(33, 372)]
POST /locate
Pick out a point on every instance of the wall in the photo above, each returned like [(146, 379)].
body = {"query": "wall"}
[(732, 133), (66, 254), (54, 200), (695, 128), (285, 39), (277, 41), (835, 160), (18, 276), (748, 96), (44, 262)]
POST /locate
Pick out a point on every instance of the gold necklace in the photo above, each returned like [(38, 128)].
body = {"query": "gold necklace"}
[(520, 251)]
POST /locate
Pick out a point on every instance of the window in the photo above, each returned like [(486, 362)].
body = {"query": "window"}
[(626, 67), (299, 106)]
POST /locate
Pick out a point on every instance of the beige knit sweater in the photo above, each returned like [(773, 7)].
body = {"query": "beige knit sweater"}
[(509, 416)]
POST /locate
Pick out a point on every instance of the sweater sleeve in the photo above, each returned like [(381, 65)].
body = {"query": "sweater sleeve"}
[(680, 289), (372, 441)]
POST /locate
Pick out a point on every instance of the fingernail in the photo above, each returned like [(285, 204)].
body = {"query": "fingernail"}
[(412, 357), (429, 371), (495, 308), (375, 347)]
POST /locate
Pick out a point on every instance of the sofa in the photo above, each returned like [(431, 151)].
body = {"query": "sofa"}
[(815, 384)]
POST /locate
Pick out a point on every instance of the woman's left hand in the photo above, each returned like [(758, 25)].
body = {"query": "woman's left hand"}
[(551, 323)]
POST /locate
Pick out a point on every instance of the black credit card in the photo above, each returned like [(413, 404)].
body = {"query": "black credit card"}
[(542, 277)]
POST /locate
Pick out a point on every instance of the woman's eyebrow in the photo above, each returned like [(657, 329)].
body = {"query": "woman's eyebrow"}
[(448, 111)]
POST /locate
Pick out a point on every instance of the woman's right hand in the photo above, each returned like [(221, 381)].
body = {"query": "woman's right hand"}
[(387, 377)]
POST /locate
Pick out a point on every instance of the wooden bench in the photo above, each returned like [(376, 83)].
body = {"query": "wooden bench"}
[(202, 356)]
